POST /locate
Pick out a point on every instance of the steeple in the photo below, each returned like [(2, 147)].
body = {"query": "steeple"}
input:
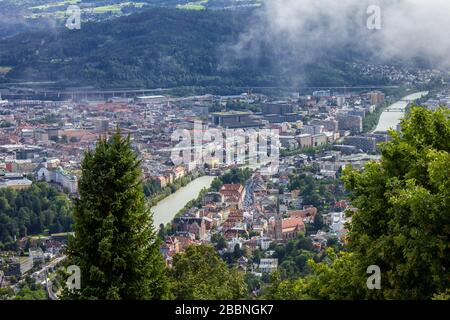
[(278, 222)]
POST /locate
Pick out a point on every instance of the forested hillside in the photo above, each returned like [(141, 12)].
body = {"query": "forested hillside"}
[(159, 48)]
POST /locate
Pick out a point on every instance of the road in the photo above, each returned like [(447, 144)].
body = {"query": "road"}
[(248, 201)]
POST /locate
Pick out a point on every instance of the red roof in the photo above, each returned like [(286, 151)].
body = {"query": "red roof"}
[(292, 223)]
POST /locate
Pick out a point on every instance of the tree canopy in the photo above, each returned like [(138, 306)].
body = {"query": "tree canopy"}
[(200, 274), (402, 224), (115, 244), (32, 211)]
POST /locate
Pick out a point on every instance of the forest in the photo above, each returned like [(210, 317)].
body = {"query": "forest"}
[(32, 211), (163, 48)]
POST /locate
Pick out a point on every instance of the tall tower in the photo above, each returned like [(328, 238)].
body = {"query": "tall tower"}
[(278, 222)]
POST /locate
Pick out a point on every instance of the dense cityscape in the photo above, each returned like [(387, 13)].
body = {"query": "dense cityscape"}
[(226, 192), (246, 215)]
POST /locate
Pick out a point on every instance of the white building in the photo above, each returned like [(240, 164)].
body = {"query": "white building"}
[(60, 177)]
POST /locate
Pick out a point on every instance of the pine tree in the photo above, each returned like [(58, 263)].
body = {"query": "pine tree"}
[(115, 244)]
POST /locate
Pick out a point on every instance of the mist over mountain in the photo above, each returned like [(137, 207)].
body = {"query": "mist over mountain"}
[(385, 31), (287, 43)]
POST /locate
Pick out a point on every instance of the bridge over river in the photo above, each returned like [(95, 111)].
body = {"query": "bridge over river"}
[(391, 117)]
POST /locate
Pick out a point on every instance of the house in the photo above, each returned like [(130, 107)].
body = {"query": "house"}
[(178, 172), (161, 181), (37, 256), (233, 194), (193, 225), (242, 263), (213, 197), (17, 183), (307, 214), (17, 266), (169, 248)]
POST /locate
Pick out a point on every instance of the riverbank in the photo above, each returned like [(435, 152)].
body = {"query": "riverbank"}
[(391, 117), (159, 194), (165, 210)]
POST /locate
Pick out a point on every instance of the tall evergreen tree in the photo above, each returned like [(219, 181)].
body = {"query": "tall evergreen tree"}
[(115, 244)]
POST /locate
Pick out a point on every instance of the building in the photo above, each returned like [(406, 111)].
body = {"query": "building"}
[(14, 181), (366, 144), (305, 140), (155, 99), (58, 176), (322, 93), (277, 108), (319, 140), (201, 111), (312, 129), (377, 98), (349, 122), (193, 225), (102, 125), (17, 266), (179, 172), (233, 194), (36, 255), (288, 228), (2, 102), (233, 119)]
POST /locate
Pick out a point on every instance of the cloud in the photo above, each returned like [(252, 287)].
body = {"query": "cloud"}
[(302, 32)]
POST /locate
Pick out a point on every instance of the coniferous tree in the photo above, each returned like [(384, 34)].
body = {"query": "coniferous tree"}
[(115, 244)]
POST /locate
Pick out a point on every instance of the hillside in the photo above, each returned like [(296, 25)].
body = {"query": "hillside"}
[(161, 48)]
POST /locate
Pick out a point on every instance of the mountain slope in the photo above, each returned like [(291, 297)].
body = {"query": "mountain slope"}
[(161, 48)]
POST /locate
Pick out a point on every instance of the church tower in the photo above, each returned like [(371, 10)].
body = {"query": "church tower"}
[(278, 222)]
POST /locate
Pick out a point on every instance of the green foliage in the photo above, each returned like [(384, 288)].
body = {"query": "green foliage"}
[(115, 245), (404, 202), (234, 175), (31, 211), (293, 257), (314, 192), (402, 224), (161, 48), (337, 278), (219, 241), (200, 274), (27, 293), (153, 190)]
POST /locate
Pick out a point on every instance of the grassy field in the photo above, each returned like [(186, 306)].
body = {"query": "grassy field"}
[(53, 5), (53, 10), (196, 5)]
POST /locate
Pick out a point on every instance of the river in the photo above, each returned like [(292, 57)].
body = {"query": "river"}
[(391, 117), (166, 209)]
